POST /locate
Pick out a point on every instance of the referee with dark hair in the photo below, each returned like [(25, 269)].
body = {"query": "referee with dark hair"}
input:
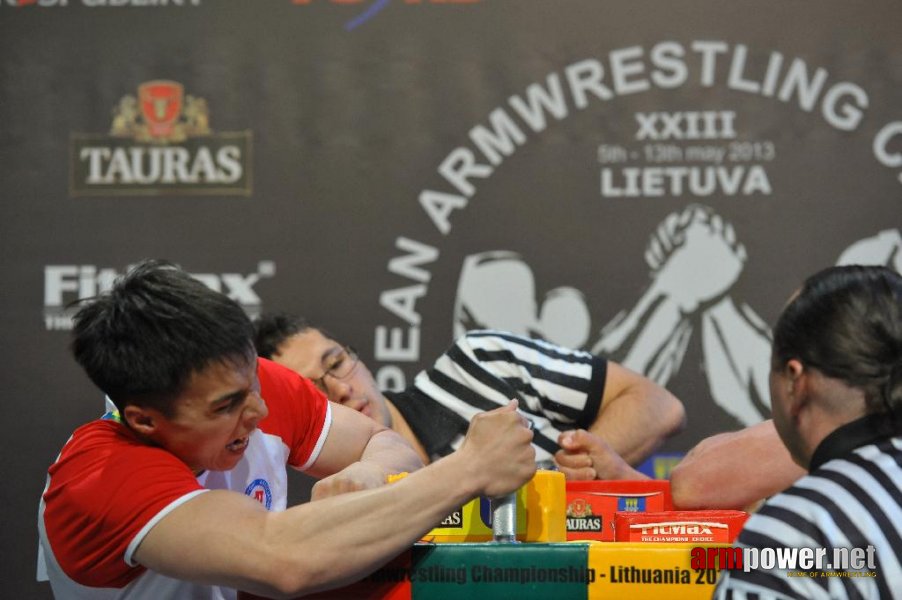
[(836, 393)]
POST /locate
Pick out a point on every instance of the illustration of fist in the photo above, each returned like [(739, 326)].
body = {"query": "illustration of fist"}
[(694, 257), (884, 248)]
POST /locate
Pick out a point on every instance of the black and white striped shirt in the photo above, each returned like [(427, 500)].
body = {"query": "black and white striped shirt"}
[(557, 389), (852, 498)]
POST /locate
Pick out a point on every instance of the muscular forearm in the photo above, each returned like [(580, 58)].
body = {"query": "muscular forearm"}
[(385, 453), (226, 538), (496, 457), (638, 419), (359, 454), (414, 505), (628, 433), (391, 452), (734, 470)]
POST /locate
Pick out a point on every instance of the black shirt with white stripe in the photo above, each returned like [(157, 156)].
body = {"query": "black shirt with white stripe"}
[(851, 498), (557, 389)]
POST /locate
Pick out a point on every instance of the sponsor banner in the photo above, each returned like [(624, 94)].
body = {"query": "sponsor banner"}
[(703, 526), (502, 571), (628, 571), (476, 570), (160, 143), (66, 285)]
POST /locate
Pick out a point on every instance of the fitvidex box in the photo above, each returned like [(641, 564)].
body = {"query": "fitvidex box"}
[(700, 526), (591, 505)]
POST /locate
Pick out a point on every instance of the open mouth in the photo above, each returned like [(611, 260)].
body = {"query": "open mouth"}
[(238, 445)]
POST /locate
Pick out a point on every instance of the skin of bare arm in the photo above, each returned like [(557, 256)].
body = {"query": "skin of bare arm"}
[(228, 539), (359, 454), (636, 414), (586, 456), (734, 470)]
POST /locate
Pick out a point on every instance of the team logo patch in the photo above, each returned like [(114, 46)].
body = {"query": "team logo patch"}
[(259, 491)]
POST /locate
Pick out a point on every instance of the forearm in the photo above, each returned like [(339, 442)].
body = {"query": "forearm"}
[(495, 459), (392, 453), (226, 538), (317, 536), (384, 454), (734, 470), (359, 454), (634, 423)]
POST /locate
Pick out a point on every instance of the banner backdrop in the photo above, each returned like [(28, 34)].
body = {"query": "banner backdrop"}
[(645, 180)]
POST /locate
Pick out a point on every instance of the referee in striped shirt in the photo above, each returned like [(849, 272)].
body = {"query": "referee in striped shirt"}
[(836, 394)]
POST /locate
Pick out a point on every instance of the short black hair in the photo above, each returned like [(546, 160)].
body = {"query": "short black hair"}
[(141, 341), (272, 329), (846, 322)]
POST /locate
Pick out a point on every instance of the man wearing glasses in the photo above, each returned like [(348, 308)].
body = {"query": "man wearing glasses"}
[(558, 390)]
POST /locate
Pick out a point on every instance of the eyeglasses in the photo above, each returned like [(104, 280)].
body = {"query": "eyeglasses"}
[(342, 366)]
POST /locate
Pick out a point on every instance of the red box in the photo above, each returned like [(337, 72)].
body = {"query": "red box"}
[(700, 526), (591, 505)]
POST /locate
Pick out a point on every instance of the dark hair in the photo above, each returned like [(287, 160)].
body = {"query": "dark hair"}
[(846, 322), (272, 329), (141, 341)]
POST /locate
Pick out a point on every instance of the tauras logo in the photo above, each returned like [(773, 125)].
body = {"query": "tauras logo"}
[(584, 524), (455, 520), (160, 142), (64, 284)]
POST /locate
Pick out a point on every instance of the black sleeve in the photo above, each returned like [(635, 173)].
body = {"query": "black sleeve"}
[(595, 393), (434, 425)]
